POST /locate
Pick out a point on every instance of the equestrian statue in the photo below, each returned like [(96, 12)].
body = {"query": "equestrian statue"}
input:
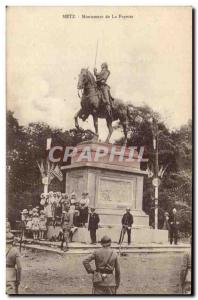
[(96, 100)]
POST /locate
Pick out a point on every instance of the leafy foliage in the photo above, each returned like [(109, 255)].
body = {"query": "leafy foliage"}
[(175, 153), (26, 145)]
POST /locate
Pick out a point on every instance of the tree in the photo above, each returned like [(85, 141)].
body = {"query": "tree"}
[(25, 146), (175, 152)]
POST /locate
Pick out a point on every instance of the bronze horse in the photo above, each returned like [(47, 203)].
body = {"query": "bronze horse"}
[(92, 104)]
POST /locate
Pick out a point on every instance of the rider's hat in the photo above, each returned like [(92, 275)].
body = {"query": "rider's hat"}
[(104, 65)]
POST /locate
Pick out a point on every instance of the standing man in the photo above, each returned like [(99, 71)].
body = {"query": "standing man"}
[(101, 79), (127, 221), (106, 261), (66, 226), (173, 221), (93, 225), (13, 266)]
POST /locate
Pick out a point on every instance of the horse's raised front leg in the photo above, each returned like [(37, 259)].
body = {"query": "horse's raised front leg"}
[(80, 114), (109, 125), (77, 115)]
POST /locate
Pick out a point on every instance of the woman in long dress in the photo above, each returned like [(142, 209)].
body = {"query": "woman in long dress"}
[(83, 208), (35, 225)]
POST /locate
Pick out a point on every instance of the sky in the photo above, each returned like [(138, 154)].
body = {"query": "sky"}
[(149, 57)]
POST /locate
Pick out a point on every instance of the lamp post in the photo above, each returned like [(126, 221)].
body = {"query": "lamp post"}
[(156, 180), (45, 173), (45, 184), (45, 180)]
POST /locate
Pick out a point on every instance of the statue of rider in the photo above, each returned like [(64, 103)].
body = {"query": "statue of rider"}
[(101, 78)]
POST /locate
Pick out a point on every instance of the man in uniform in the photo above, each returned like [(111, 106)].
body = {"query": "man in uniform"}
[(173, 222), (66, 226), (93, 225), (127, 221), (106, 261), (101, 79), (13, 266)]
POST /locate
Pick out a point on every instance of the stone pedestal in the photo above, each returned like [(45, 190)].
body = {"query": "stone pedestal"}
[(113, 181)]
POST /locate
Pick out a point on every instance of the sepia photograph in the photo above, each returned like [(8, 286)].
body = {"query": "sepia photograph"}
[(99, 150)]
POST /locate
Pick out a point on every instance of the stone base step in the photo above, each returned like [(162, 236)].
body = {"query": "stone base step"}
[(77, 248), (139, 234)]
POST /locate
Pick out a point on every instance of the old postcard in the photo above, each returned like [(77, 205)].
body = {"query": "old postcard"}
[(99, 150)]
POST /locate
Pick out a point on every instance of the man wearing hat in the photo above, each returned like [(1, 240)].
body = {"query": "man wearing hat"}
[(106, 262), (173, 222), (93, 224), (127, 221), (13, 266)]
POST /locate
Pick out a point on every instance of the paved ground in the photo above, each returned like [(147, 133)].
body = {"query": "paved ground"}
[(143, 273)]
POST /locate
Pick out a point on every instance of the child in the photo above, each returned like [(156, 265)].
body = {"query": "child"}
[(65, 202), (42, 225), (35, 225), (48, 210), (43, 199)]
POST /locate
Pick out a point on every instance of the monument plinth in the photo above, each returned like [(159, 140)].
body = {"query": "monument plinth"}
[(112, 176)]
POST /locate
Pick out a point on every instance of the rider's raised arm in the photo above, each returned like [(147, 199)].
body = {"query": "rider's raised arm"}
[(103, 75)]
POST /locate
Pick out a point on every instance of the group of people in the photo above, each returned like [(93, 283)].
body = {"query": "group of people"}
[(33, 223), (55, 207), (74, 213), (52, 210), (55, 203), (127, 222)]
